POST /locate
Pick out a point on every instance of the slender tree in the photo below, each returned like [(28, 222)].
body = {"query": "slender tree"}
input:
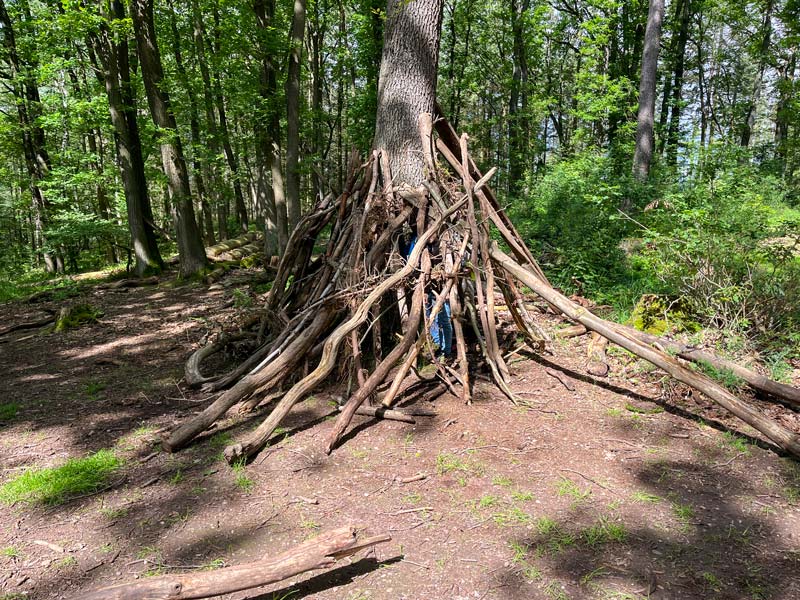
[(293, 114), (190, 245), (645, 139)]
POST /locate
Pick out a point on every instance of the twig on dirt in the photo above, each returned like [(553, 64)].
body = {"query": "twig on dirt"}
[(409, 510), (52, 547), (415, 564), (417, 477), (465, 450), (728, 462), (591, 480), (560, 376), (304, 500)]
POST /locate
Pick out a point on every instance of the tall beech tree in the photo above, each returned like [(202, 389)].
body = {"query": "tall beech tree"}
[(190, 244)]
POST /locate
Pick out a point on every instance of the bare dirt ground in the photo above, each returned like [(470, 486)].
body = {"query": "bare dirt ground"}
[(625, 487)]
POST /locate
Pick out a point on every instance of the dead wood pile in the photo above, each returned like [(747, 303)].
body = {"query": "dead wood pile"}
[(393, 258)]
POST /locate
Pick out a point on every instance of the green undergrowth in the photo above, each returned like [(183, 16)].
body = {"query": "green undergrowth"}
[(8, 411), (56, 485)]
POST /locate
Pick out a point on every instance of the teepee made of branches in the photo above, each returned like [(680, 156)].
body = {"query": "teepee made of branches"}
[(351, 298)]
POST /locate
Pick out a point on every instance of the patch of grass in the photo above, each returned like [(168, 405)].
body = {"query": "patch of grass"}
[(11, 552), (413, 498), (177, 477), (567, 487), (725, 377), (56, 485), (654, 410), (310, 524), (447, 463), (93, 388), (213, 565), (555, 591), (67, 562), (502, 481), (243, 481), (241, 299), (553, 538), (511, 517), (711, 581), (613, 412), (8, 411), (645, 498), (488, 500), (735, 442), (113, 513), (683, 512), (521, 496), (603, 532), (520, 552)]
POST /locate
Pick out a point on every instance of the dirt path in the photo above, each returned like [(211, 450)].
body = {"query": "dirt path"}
[(604, 491)]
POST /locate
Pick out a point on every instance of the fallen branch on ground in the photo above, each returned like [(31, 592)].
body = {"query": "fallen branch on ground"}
[(321, 552)]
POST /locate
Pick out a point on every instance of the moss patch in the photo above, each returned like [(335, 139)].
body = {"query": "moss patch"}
[(75, 316), (656, 315)]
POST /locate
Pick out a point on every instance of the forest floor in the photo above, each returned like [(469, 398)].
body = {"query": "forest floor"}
[(626, 487)]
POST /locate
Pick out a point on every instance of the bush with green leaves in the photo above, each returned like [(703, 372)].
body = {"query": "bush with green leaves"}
[(727, 243)]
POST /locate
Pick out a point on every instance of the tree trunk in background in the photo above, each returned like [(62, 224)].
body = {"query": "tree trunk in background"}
[(647, 92), (275, 229), (677, 84), (758, 83), (206, 219), (293, 114), (22, 83), (212, 136), (190, 245), (783, 113), (113, 70), (517, 121), (233, 161), (407, 84)]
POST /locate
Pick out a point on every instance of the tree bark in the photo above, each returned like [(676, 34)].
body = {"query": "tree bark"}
[(293, 114), (645, 138), (407, 84), (190, 245)]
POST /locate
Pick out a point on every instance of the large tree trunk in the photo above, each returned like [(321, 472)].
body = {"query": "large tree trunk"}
[(113, 71), (645, 138), (293, 114), (190, 245), (407, 84)]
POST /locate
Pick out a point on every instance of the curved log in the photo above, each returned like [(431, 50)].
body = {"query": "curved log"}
[(277, 369), (192, 375)]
